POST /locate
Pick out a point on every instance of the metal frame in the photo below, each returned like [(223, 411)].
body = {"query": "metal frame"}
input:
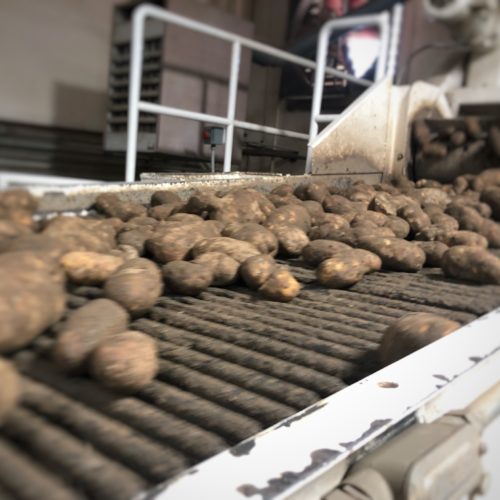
[(135, 105), (379, 20), (306, 455)]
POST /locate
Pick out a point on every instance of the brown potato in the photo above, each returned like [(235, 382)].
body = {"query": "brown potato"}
[(384, 203), (136, 285), (471, 263), (415, 216), (490, 177), (281, 286), (135, 222), (259, 236), (295, 215), (319, 250), (280, 201), (136, 237), (491, 196), (126, 362), (185, 218), (255, 271), (435, 149), (10, 394), (18, 199), (372, 262), (291, 239), (431, 233), (432, 196), (398, 226), (283, 190), (340, 205), (341, 271), (125, 252), (32, 298), (396, 254), (90, 268), (165, 198), (468, 218), (460, 184), (175, 240), (469, 238), (491, 231), (434, 251), (411, 332), (369, 217), (223, 267), (473, 127), (85, 329), (111, 205), (237, 249), (315, 190), (315, 210), (201, 203), (327, 232), (444, 221), (333, 222), (187, 278), (163, 212), (422, 132)]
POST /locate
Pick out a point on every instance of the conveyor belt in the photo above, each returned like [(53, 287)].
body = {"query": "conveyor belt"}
[(231, 365)]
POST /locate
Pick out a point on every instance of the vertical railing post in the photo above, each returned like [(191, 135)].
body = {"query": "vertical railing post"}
[(134, 92), (231, 103), (396, 23), (319, 81), (384, 46)]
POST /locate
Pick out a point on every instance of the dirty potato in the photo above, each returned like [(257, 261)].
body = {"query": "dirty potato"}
[(398, 226), (415, 216), (341, 271), (165, 198), (110, 204), (434, 251), (259, 236), (238, 250), (491, 196), (85, 329), (340, 205), (411, 332), (255, 271), (136, 285), (315, 210), (223, 267), (281, 286), (471, 263), (319, 250), (295, 215), (136, 237), (187, 278), (396, 254), (491, 231), (90, 268), (10, 394), (469, 238), (125, 362), (291, 239)]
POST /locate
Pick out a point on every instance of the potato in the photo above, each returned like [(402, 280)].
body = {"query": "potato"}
[(435, 149), (10, 230), (397, 225), (238, 250), (361, 231), (370, 217), (200, 203), (18, 199), (315, 210), (460, 184), (337, 204), (491, 196), (431, 233), (175, 240), (185, 218), (432, 196), (491, 231), (90, 268), (163, 212), (396, 254), (444, 221), (422, 132), (372, 262), (125, 252), (333, 223), (283, 190), (136, 237), (361, 192), (295, 215), (411, 332), (165, 198), (110, 205), (291, 239), (469, 238), (471, 263), (10, 394), (327, 232), (187, 278), (136, 285), (85, 329), (280, 201), (315, 190), (341, 271), (384, 203), (223, 267), (125, 362), (255, 271), (468, 218), (473, 127), (136, 222), (281, 286), (434, 251), (259, 236), (415, 216), (319, 250), (32, 298)]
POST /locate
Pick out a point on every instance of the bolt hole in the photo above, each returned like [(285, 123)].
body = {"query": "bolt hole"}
[(388, 385)]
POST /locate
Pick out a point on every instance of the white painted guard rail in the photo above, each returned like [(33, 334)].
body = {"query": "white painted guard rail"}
[(135, 105)]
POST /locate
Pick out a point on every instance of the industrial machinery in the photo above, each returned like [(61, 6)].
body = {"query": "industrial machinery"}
[(273, 401)]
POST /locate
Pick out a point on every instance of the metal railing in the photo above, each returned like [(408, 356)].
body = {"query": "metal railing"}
[(135, 105), (379, 20)]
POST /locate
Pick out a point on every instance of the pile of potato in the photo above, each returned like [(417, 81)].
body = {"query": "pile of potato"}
[(135, 253)]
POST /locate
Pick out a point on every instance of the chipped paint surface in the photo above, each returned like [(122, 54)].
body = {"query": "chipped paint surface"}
[(286, 457)]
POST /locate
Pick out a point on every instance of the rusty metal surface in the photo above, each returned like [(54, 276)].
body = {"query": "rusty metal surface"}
[(232, 365)]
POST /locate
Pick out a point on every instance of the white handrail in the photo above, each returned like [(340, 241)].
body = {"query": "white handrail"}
[(135, 105), (380, 20)]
